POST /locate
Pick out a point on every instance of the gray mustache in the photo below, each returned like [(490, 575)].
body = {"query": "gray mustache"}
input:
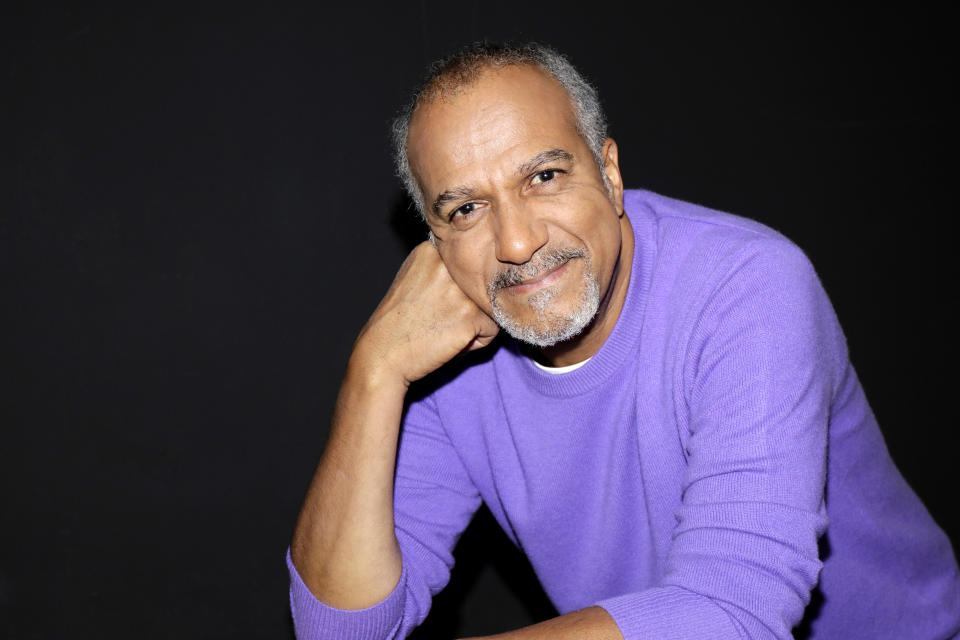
[(541, 261)]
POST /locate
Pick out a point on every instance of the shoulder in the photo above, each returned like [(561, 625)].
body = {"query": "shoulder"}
[(681, 224), (703, 253), (719, 276)]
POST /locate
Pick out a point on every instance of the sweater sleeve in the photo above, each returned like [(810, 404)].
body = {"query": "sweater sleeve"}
[(434, 500), (760, 371)]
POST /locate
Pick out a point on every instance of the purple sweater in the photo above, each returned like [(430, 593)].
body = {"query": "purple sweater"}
[(681, 478)]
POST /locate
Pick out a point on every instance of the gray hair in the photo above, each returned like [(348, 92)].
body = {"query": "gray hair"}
[(450, 75)]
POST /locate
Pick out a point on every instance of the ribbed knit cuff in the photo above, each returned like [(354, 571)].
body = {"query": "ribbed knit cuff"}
[(313, 620), (669, 613)]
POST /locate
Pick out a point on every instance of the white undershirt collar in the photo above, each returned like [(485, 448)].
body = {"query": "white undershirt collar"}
[(558, 370)]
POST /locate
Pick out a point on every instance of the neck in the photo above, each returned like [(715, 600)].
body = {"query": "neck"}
[(589, 341)]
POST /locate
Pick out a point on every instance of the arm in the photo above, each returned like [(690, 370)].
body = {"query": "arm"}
[(761, 368), (344, 546)]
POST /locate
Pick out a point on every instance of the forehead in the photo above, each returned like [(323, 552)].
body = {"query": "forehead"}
[(503, 117)]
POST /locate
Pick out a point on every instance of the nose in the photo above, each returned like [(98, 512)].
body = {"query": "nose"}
[(519, 233)]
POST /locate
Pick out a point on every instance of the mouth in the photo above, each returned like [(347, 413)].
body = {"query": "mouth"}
[(542, 279), (543, 271)]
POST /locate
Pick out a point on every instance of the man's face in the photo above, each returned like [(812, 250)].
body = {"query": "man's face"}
[(523, 220)]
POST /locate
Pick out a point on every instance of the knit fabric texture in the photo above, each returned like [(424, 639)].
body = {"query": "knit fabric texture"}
[(712, 464)]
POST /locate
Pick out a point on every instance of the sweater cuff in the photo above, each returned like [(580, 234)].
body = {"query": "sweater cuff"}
[(313, 619), (669, 613)]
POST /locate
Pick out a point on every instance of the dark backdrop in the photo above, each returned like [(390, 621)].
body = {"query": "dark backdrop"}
[(198, 214)]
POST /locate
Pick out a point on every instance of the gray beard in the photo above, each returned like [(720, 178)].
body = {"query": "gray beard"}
[(548, 328)]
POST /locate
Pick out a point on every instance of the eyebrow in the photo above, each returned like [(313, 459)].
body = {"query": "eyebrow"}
[(466, 192), (542, 158), (457, 193)]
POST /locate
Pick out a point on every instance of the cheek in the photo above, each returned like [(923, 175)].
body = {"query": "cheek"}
[(469, 271)]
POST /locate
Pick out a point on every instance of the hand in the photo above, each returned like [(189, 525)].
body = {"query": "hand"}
[(422, 322)]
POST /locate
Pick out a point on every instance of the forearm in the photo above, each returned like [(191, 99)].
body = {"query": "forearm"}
[(592, 623), (344, 546)]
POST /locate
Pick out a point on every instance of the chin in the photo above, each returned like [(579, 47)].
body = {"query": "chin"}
[(545, 325)]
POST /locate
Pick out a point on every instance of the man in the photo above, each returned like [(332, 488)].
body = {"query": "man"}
[(655, 432)]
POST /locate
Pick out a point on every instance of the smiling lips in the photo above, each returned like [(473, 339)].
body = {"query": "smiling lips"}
[(544, 269), (542, 279)]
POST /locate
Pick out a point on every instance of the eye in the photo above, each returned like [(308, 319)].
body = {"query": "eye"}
[(463, 211), (544, 176)]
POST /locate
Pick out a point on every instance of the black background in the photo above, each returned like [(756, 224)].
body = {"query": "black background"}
[(198, 213)]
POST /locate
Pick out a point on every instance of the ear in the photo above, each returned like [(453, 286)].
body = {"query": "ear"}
[(611, 169)]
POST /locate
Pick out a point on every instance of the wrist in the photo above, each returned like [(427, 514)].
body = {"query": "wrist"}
[(371, 370)]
